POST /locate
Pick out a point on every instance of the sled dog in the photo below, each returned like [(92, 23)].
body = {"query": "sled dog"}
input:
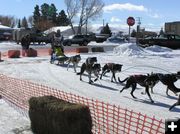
[(74, 60), (89, 67), (113, 68)]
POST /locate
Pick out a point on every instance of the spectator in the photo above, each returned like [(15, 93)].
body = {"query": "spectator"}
[(25, 42)]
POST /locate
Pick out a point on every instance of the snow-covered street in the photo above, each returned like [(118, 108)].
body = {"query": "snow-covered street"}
[(135, 60)]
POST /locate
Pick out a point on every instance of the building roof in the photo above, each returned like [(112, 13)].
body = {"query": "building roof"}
[(4, 27)]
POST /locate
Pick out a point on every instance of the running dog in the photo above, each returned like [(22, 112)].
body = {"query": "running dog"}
[(89, 67), (133, 80), (168, 80), (60, 59), (114, 68), (175, 104), (96, 70), (152, 80), (74, 60)]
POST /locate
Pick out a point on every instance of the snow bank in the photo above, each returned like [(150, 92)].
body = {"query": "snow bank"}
[(156, 48), (129, 49), (132, 49)]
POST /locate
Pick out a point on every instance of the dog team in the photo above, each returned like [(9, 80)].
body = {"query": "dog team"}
[(147, 81)]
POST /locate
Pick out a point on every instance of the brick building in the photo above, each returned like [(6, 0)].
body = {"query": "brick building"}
[(172, 27)]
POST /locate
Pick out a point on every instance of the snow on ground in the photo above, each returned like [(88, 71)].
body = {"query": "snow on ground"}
[(11, 121), (135, 60)]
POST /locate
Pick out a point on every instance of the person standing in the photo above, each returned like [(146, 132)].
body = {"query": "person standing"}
[(57, 46), (25, 43)]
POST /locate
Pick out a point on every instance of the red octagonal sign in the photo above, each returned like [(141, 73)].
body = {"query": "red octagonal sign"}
[(130, 21)]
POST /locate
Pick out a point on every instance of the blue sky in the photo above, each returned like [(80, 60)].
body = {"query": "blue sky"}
[(153, 13)]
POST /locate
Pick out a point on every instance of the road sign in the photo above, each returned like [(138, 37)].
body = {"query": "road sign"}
[(130, 21)]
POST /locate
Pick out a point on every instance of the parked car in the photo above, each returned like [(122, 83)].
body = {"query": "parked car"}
[(101, 37), (82, 40), (40, 37), (117, 39), (35, 36), (6, 36), (166, 40)]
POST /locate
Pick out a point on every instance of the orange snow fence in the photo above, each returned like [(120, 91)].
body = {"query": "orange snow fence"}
[(106, 118), (13, 53)]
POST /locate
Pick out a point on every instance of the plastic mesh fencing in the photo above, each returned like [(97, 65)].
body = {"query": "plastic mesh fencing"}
[(107, 118)]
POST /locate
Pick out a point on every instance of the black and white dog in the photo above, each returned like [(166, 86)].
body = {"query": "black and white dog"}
[(74, 60), (166, 79), (113, 68), (89, 66), (133, 80), (169, 80)]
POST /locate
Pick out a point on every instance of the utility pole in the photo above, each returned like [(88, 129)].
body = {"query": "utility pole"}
[(86, 19), (138, 29), (103, 22)]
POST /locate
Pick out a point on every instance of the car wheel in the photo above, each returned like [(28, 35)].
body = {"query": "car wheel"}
[(85, 43), (64, 44), (69, 43)]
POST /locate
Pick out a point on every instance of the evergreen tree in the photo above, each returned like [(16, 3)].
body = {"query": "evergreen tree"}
[(161, 32), (62, 19), (52, 13), (19, 23), (24, 23), (36, 15), (106, 30), (45, 11)]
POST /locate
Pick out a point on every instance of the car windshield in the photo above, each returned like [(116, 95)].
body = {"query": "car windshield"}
[(70, 37)]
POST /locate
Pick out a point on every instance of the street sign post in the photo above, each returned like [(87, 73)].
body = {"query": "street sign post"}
[(130, 22)]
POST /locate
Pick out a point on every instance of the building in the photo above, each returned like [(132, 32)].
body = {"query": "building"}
[(172, 27), (5, 32), (65, 30)]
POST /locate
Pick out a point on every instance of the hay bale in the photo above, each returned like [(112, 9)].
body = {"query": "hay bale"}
[(13, 53), (29, 52), (49, 51), (82, 50), (97, 49), (50, 115)]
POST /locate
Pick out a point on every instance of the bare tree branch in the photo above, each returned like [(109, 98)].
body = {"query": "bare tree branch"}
[(87, 10), (72, 10)]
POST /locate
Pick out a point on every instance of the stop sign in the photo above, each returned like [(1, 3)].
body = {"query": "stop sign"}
[(130, 21)]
